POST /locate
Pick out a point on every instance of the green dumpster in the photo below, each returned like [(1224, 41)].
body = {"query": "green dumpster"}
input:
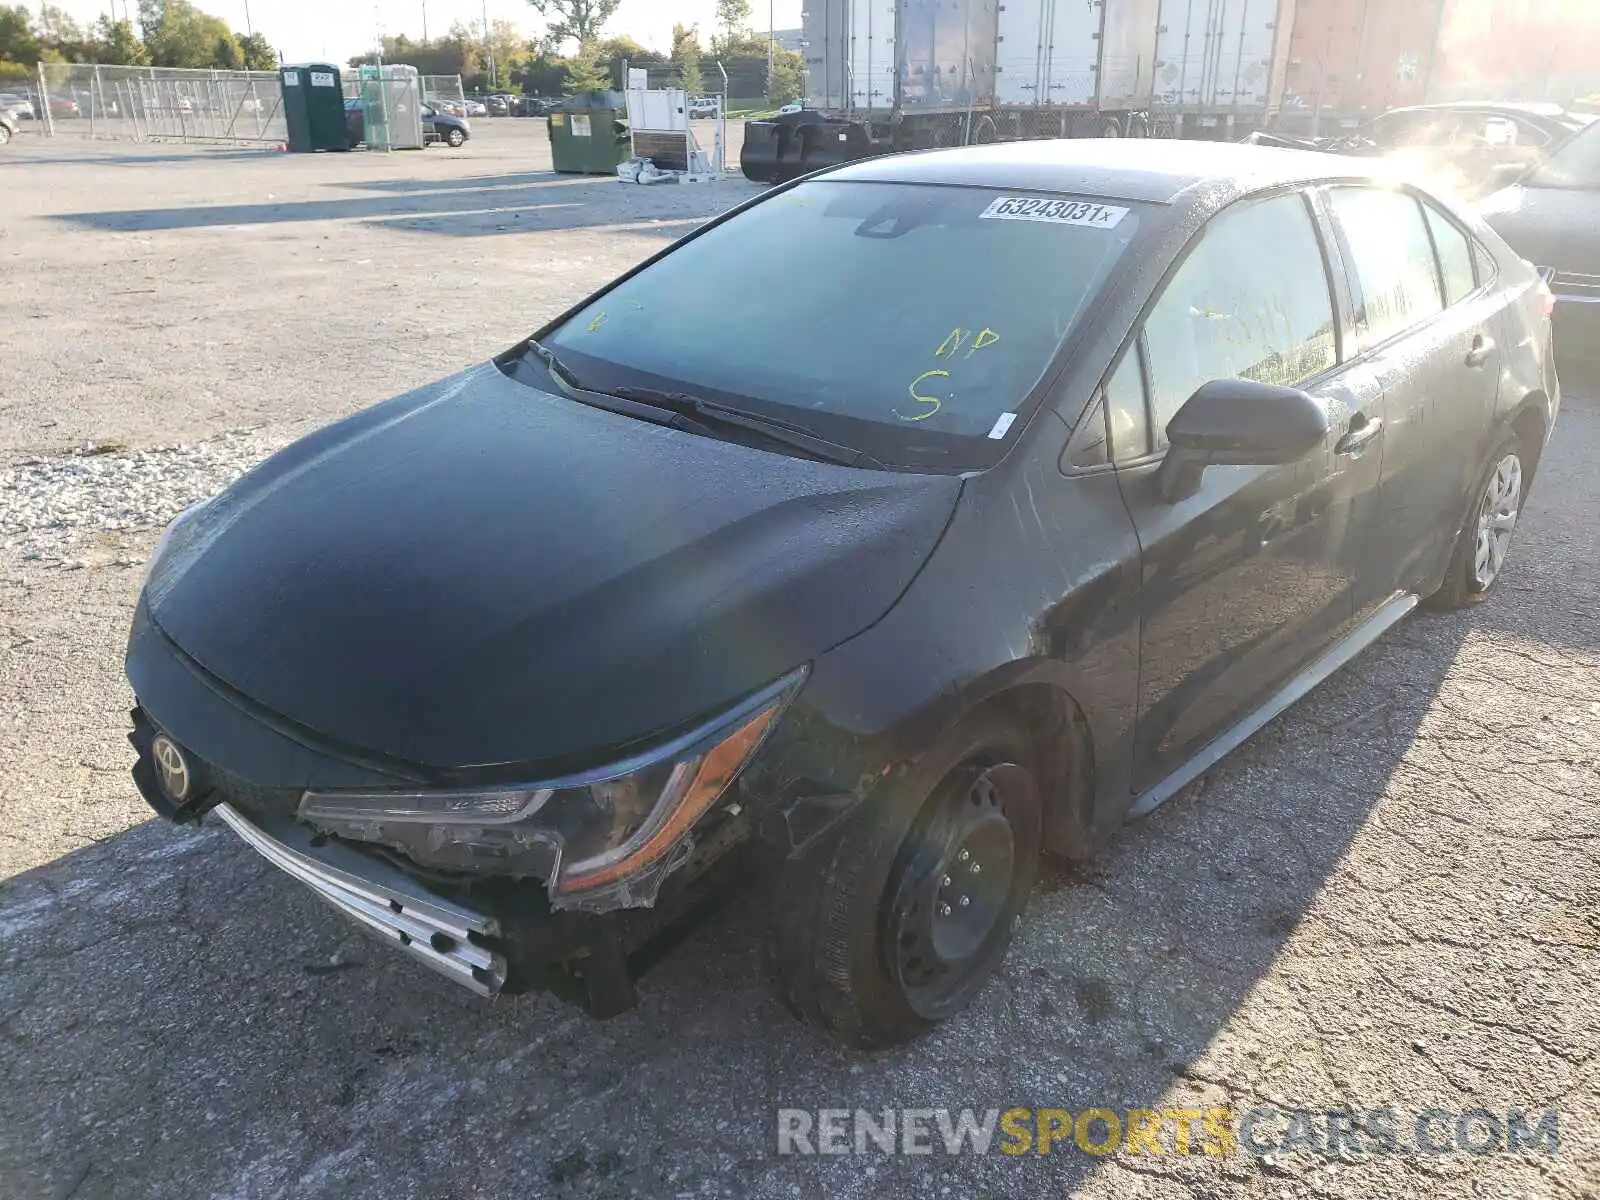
[(313, 107), (588, 134)]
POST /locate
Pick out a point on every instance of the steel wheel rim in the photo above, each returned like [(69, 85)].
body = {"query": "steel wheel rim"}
[(1497, 521), (949, 896)]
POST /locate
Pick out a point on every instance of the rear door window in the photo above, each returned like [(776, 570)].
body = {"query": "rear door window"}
[(1455, 255), (1396, 276), (1251, 301)]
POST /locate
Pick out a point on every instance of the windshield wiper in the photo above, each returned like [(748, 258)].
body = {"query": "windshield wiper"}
[(696, 414), (775, 428), (557, 368)]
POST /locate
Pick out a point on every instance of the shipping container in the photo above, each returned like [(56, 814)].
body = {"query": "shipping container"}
[(947, 51), (1222, 58), (1076, 53), (1350, 60), (850, 54)]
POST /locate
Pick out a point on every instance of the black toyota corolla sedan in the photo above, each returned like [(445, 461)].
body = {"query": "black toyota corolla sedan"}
[(1009, 489)]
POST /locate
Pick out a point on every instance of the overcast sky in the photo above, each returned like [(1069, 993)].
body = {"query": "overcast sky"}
[(336, 29)]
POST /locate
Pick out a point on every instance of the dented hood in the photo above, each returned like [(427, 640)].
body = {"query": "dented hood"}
[(482, 573)]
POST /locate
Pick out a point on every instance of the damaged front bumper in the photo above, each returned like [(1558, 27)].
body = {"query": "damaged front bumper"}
[(452, 939), (491, 935)]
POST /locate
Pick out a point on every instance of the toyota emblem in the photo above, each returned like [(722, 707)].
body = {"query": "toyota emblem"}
[(171, 766)]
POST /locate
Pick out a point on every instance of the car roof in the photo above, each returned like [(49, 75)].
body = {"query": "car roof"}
[(1529, 108), (1125, 168)]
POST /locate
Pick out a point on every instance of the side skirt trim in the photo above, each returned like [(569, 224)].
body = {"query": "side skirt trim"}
[(1330, 660)]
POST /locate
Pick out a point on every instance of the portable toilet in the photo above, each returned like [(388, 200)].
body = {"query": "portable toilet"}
[(313, 107)]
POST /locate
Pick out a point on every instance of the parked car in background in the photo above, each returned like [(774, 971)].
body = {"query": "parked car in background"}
[(1117, 449), (17, 106), (702, 107), (1475, 147), (792, 107), (436, 126), (64, 108), (1552, 218), (498, 106), (8, 127), (476, 108)]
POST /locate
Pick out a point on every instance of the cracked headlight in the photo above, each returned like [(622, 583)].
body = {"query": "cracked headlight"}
[(612, 833)]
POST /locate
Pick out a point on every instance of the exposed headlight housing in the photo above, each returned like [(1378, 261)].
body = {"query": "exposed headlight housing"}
[(600, 840)]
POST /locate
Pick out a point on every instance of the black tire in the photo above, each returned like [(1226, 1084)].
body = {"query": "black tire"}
[(455, 139), (985, 132), (1109, 128), (5, 135), (833, 944), (1462, 582), (1138, 126)]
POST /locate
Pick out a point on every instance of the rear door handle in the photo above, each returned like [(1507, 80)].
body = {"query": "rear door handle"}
[(1482, 348), (1362, 430)]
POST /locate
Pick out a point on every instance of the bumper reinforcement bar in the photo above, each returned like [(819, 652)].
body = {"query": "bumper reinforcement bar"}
[(446, 936)]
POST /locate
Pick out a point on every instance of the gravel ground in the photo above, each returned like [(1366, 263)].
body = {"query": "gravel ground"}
[(1391, 897)]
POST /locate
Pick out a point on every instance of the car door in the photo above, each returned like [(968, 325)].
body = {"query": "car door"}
[(1244, 582), (1428, 334)]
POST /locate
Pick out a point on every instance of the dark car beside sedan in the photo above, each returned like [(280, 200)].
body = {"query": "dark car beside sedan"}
[(1051, 472), (437, 126), (1552, 218)]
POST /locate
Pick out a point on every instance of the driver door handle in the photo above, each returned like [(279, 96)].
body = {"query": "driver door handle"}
[(1362, 430), (1482, 348)]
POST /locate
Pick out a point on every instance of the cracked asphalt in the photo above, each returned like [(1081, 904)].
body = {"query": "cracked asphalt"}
[(1389, 898)]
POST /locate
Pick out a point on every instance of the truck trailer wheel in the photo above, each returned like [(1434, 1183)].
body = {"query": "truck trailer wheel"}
[(1138, 126), (913, 910)]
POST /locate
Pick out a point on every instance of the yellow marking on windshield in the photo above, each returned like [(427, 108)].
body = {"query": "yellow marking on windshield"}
[(921, 399), (599, 320), (983, 341), (953, 343)]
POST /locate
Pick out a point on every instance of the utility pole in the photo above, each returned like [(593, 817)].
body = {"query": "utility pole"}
[(772, 36), (424, 20), (249, 29), (488, 44)]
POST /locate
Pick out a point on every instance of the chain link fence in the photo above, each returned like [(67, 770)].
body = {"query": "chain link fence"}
[(445, 93), (160, 104)]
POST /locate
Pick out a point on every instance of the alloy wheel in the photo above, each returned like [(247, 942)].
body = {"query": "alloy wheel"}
[(1497, 520)]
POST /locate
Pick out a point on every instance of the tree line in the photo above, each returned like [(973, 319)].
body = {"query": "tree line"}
[(169, 33), (574, 55)]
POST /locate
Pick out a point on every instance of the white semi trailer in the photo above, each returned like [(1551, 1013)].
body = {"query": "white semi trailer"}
[(885, 75)]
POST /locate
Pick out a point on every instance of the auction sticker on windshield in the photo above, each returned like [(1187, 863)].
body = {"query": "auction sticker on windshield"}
[(1057, 212)]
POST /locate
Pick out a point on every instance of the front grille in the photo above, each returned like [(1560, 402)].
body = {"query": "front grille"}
[(252, 797)]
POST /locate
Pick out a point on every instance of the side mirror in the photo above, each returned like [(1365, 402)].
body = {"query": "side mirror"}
[(1505, 174), (1241, 423)]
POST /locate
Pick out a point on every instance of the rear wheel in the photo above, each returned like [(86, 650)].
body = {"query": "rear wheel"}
[(916, 908), (1479, 555)]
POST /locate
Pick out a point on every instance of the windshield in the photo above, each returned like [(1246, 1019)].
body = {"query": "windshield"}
[(1576, 164), (905, 319)]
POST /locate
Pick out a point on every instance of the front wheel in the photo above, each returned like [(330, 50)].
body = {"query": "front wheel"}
[(916, 908), (1479, 555), (455, 139)]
